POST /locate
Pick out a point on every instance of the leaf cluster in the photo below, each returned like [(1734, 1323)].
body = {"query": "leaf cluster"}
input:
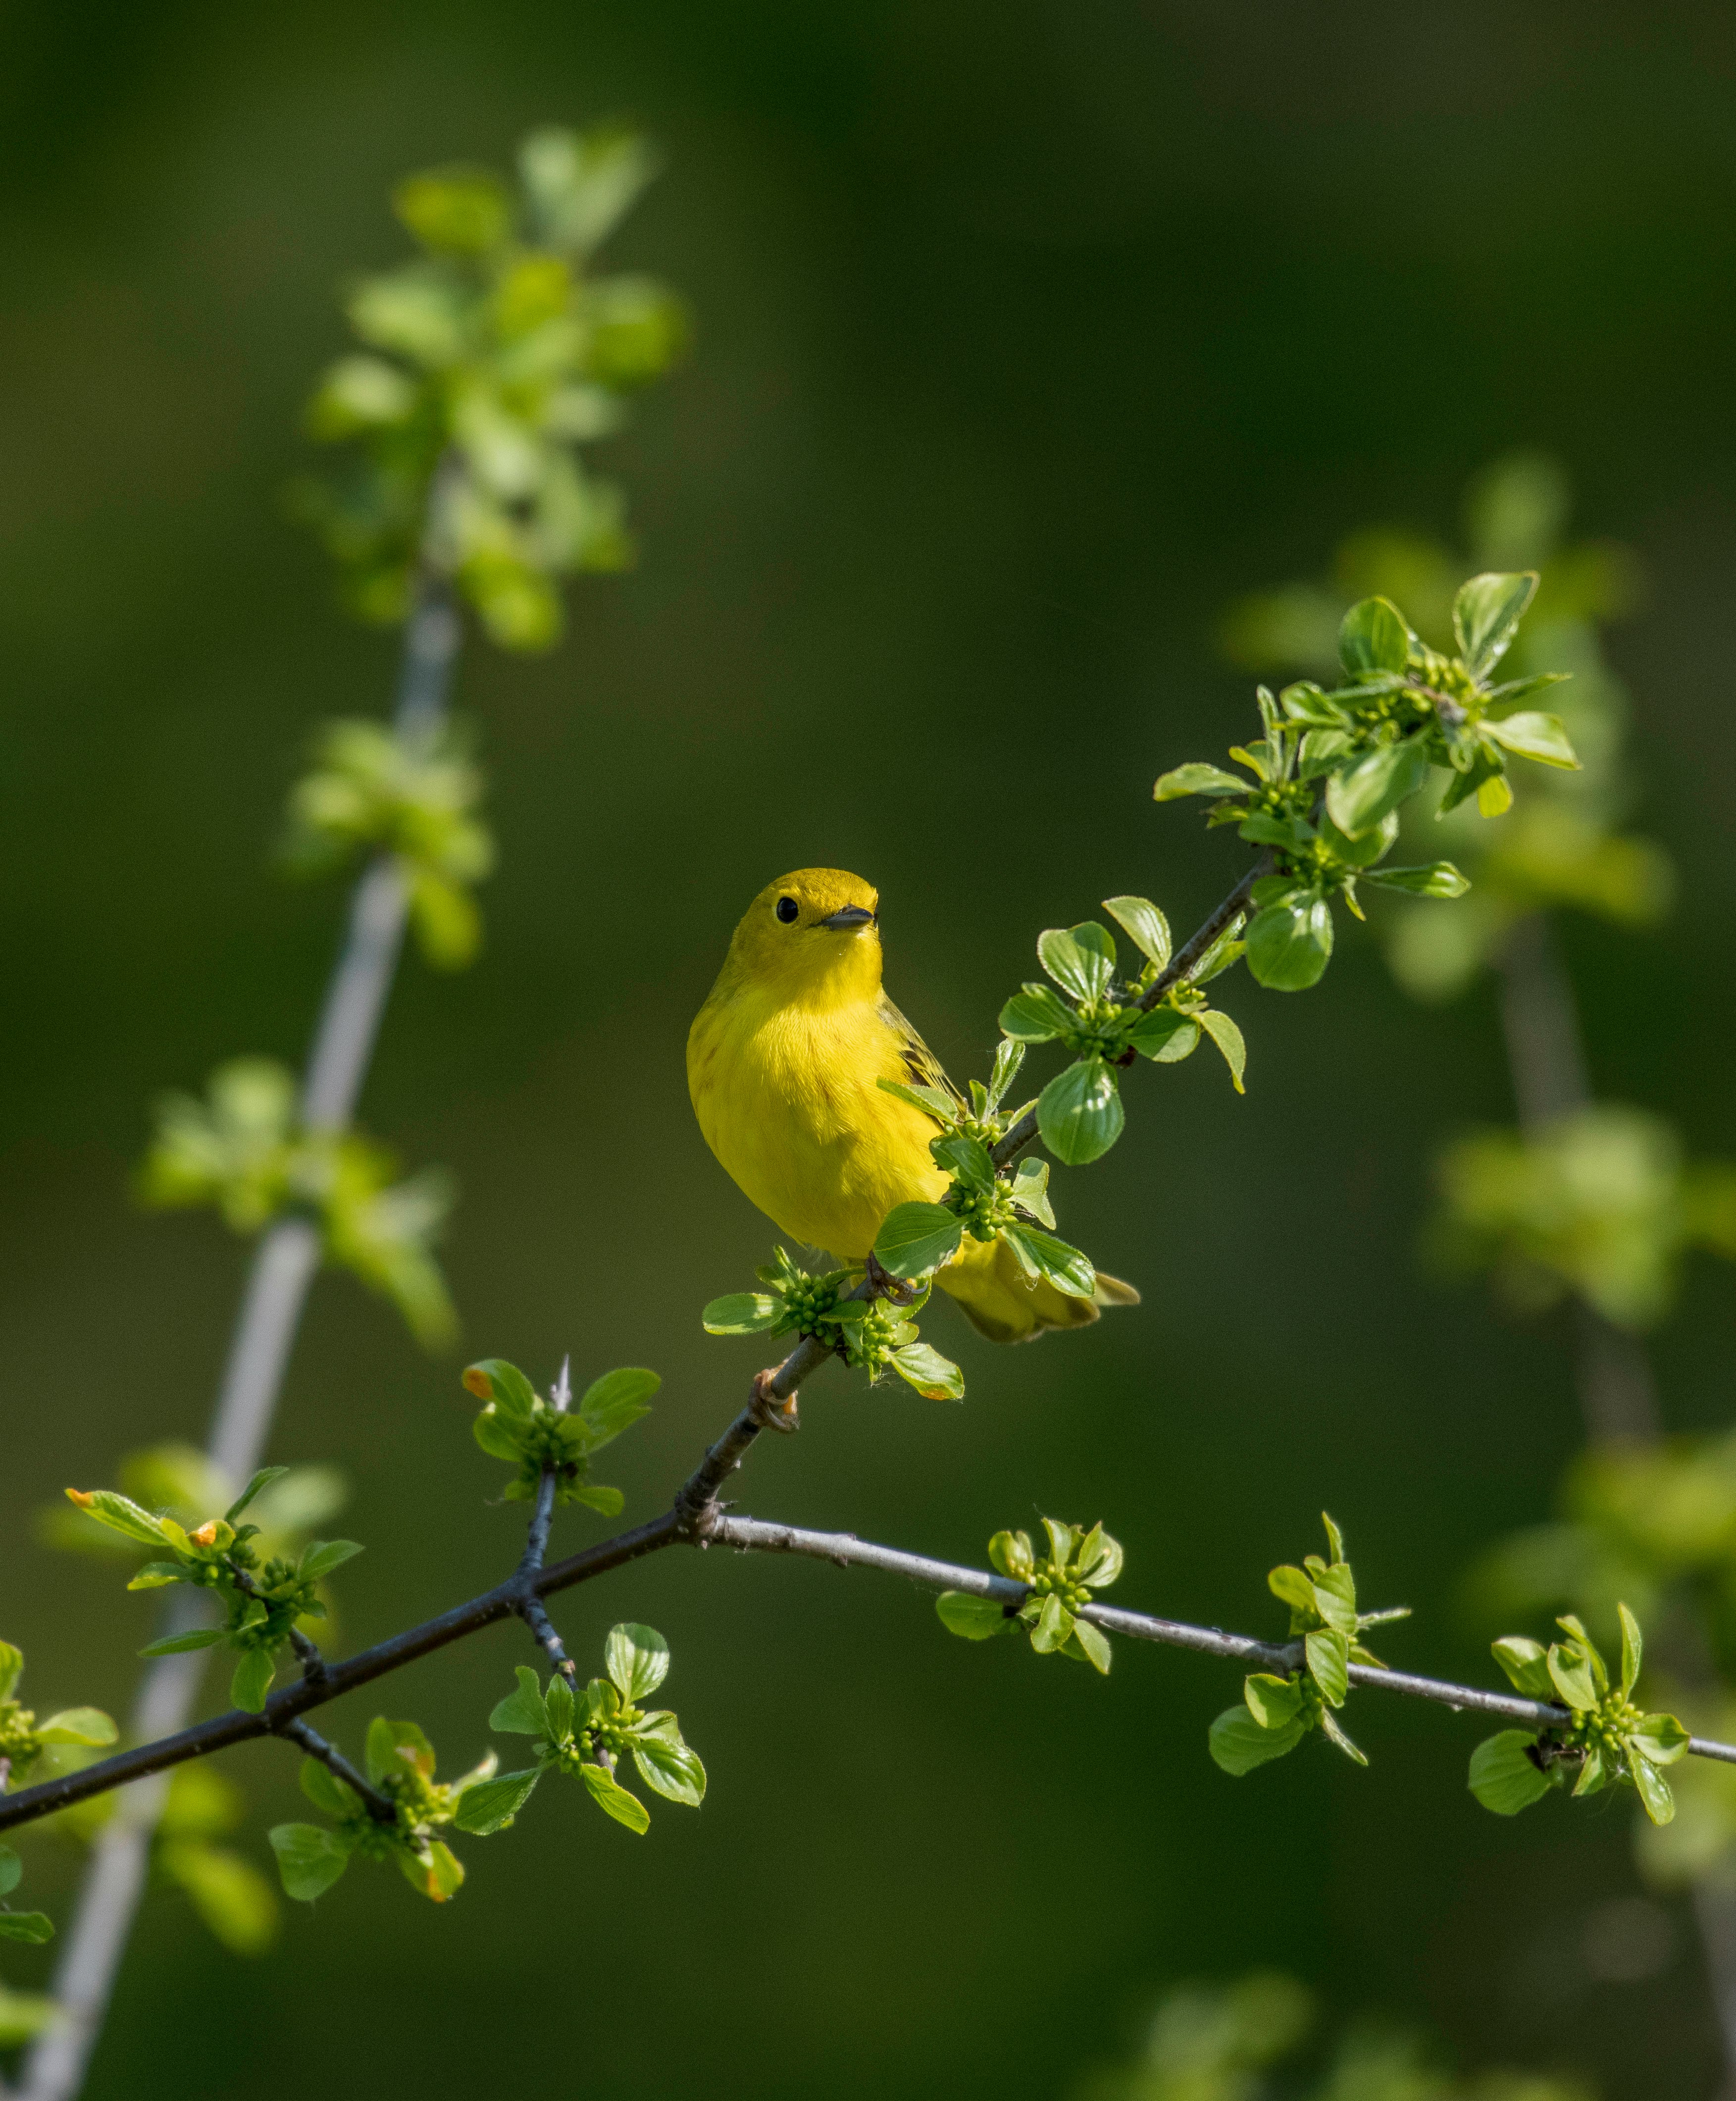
[(536, 1435), (486, 362), (243, 1151), (1607, 1740), (261, 1599), (1058, 1585), (401, 792), (876, 1335), (23, 1738), (400, 1766), (585, 1735), (1277, 1712)]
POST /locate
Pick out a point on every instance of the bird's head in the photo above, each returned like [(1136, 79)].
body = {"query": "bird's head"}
[(814, 935)]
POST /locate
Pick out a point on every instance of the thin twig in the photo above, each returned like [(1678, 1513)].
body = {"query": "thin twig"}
[(377, 1805)]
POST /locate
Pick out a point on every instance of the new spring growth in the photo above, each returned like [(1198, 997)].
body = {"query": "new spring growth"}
[(1277, 1713), (875, 1336), (262, 1603), (1332, 769), (1058, 1585), (400, 1762), (1606, 1740), (586, 1735), (519, 1426)]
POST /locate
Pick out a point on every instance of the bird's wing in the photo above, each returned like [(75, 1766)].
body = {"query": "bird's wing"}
[(922, 1068)]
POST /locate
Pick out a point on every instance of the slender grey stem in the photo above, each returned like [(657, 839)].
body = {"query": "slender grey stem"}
[(376, 1804), (282, 1270)]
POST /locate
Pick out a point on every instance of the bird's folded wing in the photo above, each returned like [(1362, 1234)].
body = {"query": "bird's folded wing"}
[(923, 1068)]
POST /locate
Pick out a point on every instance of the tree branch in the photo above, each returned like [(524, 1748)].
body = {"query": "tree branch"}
[(382, 1811)]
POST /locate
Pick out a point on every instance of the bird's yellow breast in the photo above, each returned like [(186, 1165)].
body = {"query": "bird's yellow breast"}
[(787, 1098)]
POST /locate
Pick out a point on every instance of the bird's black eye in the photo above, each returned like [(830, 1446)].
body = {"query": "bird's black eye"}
[(787, 909)]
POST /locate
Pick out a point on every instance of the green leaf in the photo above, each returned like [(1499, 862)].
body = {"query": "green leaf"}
[(457, 211), (965, 1158), (1100, 1559), (932, 1101), (1164, 1035), (1228, 1037), (616, 1402), (392, 1747), (320, 1557), (500, 1437), (1328, 1652), (1274, 1702), (741, 1313), (1527, 1664), (1078, 963), (491, 1804), (33, 1927), (1030, 1190), (934, 1377), (262, 1479), (917, 1238), (11, 1668), (1011, 1552), (1487, 615), (607, 1502), (1009, 1055), (309, 1859), (1197, 780), (1532, 735), (1633, 1649), (1078, 1113), (1041, 1254), (1090, 1645), (1655, 1798), (78, 1725), (1054, 1628), (1143, 924), (523, 1712), (1374, 785), (1290, 943), (326, 1792), (494, 1379), (559, 1701), (121, 1514), (1330, 1728), (669, 1765), (1035, 1015), (1504, 1776), (1238, 1743), (1289, 1585), (1226, 951), (972, 1619), (614, 1801), (637, 1658), (1572, 1675), (176, 1645), (253, 1680), (1373, 637), (1659, 1737), (155, 1575), (1436, 878)]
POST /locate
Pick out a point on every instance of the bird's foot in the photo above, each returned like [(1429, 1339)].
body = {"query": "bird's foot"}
[(768, 1406), (899, 1291)]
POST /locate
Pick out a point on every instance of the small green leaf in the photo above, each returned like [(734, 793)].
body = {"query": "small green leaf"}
[(1655, 1798), (494, 1379), (669, 1765), (637, 1659), (1143, 924), (1164, 1035), (741, 1313), (326, 1792), (1527, 1664), (1228, 1037), (1290, 943), (1487, 615), (1078, 1113), (393, 1746), (1633, 1649), (1238, 1743), (1079, 964), (1292, 1588), (262, 1479), (155, 1575), (1373, 637), (917, 1238), (121, 1514), (176, 1645), (1571, 1674), (1532, 735), (1331, 1729), (1197, 779), (321, 1557), (1328, 1652), (614, 1801), (1504, 1775), (1030, 1190), (1041, 1254), (1054, 1628), (523, 1712), (932, 1101), (1435, 878), (965, 1158), (1274, 1702), (491, 1804), (934, 1377), (1100, 1559), (33, 1927), (78, 1725), (1035, 1015), (1090, 1645), (11, 1668), (1011, 1552), (970, 1618), (616, 1402), (593, 1495), (1661, 1738), (253, 1680), (1374, 785), (309, 1859)]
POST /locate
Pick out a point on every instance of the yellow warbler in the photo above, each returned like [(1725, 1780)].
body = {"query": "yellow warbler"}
[(784, 1061)]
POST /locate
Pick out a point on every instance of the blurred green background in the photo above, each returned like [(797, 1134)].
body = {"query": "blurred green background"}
[(1026, 336)]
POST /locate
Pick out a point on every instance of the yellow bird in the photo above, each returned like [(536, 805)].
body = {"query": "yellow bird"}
[(784, 1061)]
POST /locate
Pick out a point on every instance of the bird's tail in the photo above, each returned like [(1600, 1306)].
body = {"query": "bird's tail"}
[(1004, 1304)]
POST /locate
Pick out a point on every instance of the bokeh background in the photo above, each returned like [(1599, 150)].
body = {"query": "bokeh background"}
[(1026, 337)]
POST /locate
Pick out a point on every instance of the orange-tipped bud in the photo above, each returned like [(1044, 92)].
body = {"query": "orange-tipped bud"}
[(476, 1381), (79, 1497), (206, 1535)]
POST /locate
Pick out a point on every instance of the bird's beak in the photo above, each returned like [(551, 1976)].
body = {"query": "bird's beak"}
[(848, 919)]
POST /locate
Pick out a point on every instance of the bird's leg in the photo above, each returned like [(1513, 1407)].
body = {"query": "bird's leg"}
[(768, 1406), (898, 1290)]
